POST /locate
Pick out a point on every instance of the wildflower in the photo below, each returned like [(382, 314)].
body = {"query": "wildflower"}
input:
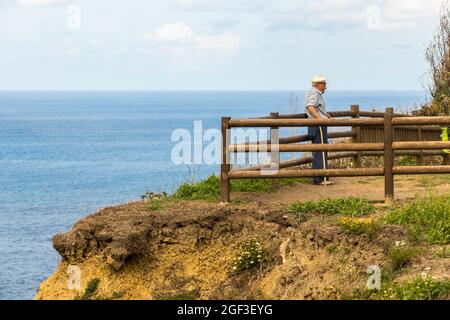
[(400, 244)]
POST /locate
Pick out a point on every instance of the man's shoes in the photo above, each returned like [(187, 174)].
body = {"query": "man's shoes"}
[(325, 183)]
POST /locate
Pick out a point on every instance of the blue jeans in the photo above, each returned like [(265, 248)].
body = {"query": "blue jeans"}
[(319, 135)]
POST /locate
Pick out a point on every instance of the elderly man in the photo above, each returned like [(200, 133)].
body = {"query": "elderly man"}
[(316, 109)]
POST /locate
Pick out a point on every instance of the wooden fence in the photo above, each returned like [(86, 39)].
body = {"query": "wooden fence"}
[(372, 134)]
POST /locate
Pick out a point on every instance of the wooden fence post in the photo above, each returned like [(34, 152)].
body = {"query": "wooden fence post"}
[(225, 166), (446, 159), (419, 157), (388, 155), (273, 134), (357, 138), (444, 137)]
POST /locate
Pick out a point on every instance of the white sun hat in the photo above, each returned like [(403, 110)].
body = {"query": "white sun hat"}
[(319, 79)]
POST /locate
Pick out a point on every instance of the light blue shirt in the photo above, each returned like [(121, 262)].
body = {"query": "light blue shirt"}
[(314, 98)]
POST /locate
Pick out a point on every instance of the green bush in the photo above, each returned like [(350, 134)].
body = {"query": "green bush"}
[(428, 219), (346, 206)]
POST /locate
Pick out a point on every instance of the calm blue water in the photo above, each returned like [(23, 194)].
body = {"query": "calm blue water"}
[(66, 154)]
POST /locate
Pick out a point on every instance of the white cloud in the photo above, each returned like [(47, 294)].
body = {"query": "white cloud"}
[(115, 52), (37, 3), (180, 44), (353, 14), (222, 5)]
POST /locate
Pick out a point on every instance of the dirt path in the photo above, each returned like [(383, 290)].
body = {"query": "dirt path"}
[(372, 188)]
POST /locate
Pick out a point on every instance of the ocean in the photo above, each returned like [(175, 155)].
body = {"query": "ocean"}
[(64, 155)]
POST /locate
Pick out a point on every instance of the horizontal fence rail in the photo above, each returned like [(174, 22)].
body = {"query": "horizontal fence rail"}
[(308, 147), (341, 155), (383, 134), (256, 123)]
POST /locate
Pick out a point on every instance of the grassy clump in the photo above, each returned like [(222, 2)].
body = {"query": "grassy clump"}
[(399, 257), (209, 189), (428, 219), (154, 205), (443, 253), (90, 290), (406, 161), (250, 256), (332, 249), (418, 289), (357, 226), (346, 206)]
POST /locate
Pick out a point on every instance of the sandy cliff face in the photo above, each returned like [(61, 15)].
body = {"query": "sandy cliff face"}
[(186, 250)]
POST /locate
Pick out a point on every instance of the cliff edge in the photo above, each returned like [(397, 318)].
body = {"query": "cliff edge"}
[(248, 250)]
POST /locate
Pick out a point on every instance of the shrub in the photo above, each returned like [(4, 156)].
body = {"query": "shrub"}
[(357, 226), (438, 58), (250, 256)]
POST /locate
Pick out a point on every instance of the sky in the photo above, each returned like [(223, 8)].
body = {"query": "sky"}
[(214, 44)]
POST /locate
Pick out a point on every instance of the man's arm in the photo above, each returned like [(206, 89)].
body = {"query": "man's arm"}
[(313, 111), (316, 114)]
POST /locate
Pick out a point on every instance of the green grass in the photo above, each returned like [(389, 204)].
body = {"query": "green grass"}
[(418, 289), (332, 249), (406, 161), (209, 189), (345, 206), (90, 290), (154, 205), (428, 219), (400, 257)]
